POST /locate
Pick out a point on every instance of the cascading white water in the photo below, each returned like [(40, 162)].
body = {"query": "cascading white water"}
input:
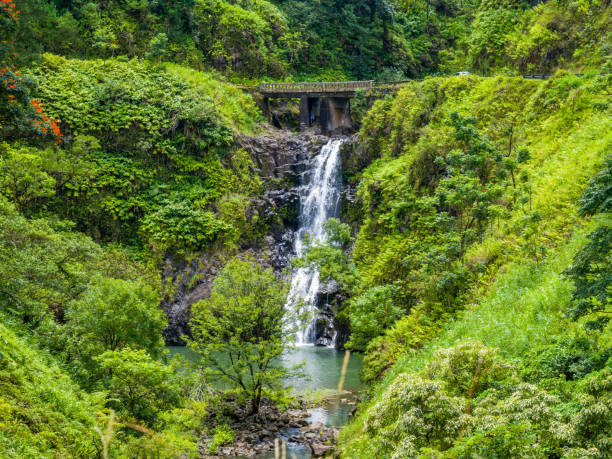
[(319, 198)]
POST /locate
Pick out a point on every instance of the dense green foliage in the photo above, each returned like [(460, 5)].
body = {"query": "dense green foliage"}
[(590, 270), (469, 396), (193, 32), (332, 39), (452, 198), (474, 212), (41, 409), (102, 319), (146, 146), (543, 406), (242, 329), (474, 262), (137, 383), (72, 300), (107, 167)]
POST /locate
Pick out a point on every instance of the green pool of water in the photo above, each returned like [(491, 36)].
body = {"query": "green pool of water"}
[(322, 368)]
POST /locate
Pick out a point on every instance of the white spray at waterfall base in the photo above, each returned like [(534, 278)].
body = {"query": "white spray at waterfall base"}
[(319, 199)]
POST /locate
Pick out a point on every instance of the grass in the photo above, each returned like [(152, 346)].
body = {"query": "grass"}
[(523, 309), (518, 303), (43, 413)]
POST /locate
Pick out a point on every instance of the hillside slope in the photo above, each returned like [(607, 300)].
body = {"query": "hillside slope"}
[(330, 39), (472, 205), (41, 409)]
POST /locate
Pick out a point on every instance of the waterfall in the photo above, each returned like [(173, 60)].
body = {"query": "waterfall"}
[(319, 198)]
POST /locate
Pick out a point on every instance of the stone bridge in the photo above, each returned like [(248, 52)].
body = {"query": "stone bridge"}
[(326, 103)]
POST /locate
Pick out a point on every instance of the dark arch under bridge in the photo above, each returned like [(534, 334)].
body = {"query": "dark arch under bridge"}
[(327, 103)]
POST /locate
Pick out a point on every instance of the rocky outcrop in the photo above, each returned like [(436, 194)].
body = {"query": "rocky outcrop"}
[(327, 303), (256, 434), (281, 154), (192, 282), (355, 158)]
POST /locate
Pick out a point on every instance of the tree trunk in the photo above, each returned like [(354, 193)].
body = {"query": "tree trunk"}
[(256, 401)]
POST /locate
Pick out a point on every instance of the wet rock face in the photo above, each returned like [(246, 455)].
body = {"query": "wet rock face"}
[(324, 331), (281, 158), (203, 272), (329, 329), (281, 154), (355, 158), (327, 303)]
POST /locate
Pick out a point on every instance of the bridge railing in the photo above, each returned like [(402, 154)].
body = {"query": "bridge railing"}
[(325, 86)]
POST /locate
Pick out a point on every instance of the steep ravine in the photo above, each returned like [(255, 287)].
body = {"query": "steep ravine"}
[(282, 159)]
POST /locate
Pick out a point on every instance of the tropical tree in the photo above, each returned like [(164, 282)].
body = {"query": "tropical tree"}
[(242, 329), (106, 41), (158, 47), (43, 265), (466, 191), (113, 314), (20, 114), (22, 179)]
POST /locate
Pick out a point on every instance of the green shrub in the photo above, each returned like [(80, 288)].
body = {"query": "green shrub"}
[(222, 435), (371, 313), (177, 226), (137, 384), (42, 411), (103, 319)]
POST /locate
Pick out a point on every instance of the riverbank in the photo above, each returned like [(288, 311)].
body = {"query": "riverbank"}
[(256, 435)]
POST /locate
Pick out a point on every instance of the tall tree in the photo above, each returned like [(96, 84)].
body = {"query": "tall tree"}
[(242, 329), (591, 270)]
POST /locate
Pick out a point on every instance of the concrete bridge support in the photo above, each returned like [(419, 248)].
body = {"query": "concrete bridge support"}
[(327, 102), (304, 113), (336, 114), (332, 113)]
